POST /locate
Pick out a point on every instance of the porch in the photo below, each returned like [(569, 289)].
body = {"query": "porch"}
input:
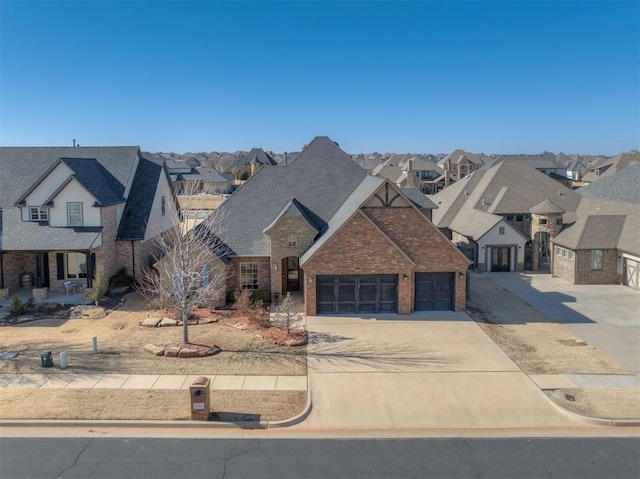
[(75, 296)]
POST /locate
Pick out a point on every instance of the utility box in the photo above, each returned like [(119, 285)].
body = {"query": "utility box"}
[(200, 399), (46, 359)]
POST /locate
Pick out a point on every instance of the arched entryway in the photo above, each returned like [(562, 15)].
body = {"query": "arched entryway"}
[(290, 274), (541, 251)]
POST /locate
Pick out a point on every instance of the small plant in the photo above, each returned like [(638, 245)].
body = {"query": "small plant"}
[(252, 309), (17, 308), (286, 313), (99, 287)]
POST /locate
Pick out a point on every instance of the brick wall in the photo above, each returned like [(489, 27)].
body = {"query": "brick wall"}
[(608, 274), (360, 248), (264, 272), (563, 268)]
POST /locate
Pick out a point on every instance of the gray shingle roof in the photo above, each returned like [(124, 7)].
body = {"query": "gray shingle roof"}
[(206, 174), (621, 186), (461, 156), (507, 188), (546, 207), (21, 167), (294, 208), (133, 224), (321, 178), (603, 224), (611, 166), (418, 198), (364, 191)]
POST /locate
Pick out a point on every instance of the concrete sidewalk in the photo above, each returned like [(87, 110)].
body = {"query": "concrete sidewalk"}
[(150, 381)]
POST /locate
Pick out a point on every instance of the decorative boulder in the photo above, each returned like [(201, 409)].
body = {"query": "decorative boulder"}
[(155, 350), (165, 322)]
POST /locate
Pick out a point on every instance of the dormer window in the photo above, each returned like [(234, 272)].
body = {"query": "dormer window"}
[(292, 240), (74, 214), (37, 213)]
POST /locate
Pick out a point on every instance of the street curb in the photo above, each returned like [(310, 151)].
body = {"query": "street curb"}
[(167, 424), (596, 421)]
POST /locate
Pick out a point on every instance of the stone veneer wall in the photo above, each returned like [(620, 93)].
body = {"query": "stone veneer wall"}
[(563, 268), (107, 254), (14, 264), (280, 248)]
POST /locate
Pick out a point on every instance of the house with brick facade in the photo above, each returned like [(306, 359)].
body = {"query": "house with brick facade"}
[(351, 243), (506, 216), (602, 246), (66, 212)]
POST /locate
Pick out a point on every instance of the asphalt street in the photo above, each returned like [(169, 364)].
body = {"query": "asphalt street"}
[(583, 458)]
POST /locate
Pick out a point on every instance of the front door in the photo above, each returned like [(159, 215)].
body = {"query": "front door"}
[(500, 258), (290, 274)]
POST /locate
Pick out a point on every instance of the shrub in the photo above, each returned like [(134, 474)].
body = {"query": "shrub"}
[(120, 278), (252, 309), (17, 308), (256, 295), (99, 287)]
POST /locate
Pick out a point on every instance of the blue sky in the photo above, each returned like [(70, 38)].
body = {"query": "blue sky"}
[(492, 77)]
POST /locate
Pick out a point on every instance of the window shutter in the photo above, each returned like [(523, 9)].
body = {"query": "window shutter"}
[(93, 266), (60, 263)]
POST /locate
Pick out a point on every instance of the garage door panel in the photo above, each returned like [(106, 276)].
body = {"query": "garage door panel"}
[(434, 291), (357, 294), (632, 273)]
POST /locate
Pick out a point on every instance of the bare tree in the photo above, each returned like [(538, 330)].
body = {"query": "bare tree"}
[(187, 271)]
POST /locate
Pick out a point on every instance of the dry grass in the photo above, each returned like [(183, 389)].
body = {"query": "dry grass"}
[(601, 403), (535, 344), (131, 404), (121, 341), (120, 350)]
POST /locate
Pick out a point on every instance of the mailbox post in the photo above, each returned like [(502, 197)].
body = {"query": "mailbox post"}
[(200, 399)]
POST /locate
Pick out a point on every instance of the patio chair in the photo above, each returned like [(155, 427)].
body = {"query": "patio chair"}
[(68, 287)]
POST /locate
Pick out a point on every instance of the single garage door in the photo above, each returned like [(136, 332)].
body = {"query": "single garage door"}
[(632, 273), (435, 291), (357, 294)]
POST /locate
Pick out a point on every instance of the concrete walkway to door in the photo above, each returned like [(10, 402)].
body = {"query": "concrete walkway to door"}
[(418, 371)]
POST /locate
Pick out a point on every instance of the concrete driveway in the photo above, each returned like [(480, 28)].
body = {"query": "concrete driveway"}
[(605, 316), (421, 372)]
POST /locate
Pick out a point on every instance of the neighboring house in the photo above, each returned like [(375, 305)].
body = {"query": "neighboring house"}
[(505, 217), (544, 162), (250, 163), (603, 168), (68, 211), (204, 180), (414, 172), (460, 163), (352, 243), (603, 246)]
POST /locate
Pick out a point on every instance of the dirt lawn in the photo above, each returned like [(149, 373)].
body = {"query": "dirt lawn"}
[(120, 350)]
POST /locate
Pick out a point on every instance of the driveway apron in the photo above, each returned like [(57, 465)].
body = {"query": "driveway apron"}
[(421, 372)]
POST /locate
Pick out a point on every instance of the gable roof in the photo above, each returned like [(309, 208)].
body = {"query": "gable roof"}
[(603, 224), (133, 224), (611, 166), (544, 160), (294, 208), (506, 188), (418, 198), (321, 177), (623, 185), (461, 156)]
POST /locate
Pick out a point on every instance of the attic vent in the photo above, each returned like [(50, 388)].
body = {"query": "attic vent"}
[(466, 192), (484, 203)]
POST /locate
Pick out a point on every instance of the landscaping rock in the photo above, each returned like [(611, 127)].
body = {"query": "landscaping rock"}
[(94, 313), (26, 318), (172, 352), (208, 320), (155, 350), (150, 322), (189, 353), (241, 326), (296, 342), (166, 322), (46, 308)]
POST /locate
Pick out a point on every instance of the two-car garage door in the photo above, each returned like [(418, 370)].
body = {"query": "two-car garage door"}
[(379, 293), (372, 293)]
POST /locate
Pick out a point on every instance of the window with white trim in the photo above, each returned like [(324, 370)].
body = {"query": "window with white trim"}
[(249, 276), (74, 214), (37, 213), (597, 258), (75, 265)]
